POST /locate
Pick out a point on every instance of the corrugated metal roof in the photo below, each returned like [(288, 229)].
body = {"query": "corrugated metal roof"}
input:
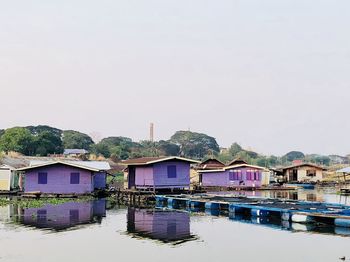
[(100, 165), (344, 170), (49, 163), (74, 151), (7, 167), (303, 164)]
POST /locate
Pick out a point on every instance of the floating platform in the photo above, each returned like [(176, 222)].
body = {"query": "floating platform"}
[(301, 185), (248, 188), (286, 210)]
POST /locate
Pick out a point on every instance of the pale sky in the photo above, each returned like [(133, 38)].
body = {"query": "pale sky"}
[(273, 75)]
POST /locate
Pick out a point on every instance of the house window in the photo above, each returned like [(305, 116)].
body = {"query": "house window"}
[(256, 176), (249, 175), (311, 173), (171, 171), (74, 178), (232, 176), (42, 178)]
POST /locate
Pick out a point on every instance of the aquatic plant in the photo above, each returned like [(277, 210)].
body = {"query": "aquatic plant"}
[(4, 202), (36, 203)]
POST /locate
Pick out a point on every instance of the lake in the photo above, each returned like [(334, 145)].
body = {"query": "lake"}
[(97, 230)]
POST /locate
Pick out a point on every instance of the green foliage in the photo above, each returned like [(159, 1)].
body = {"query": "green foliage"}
[(235, 149), (167, 148), (119, 148), (75, 139), (101, 149), (36, 130), (195, 145), (43, 140), (48, 143), (37, 203), (17, 139), (294, 155)]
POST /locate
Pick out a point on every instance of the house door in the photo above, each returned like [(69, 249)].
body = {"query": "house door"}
[(131, 178), (295, 174)]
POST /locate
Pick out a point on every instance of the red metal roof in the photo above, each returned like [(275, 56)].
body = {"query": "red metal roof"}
[(211, 164)]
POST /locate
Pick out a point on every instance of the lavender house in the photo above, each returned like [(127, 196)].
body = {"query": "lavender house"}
[(158, 172), (242, 175), (69, 177)]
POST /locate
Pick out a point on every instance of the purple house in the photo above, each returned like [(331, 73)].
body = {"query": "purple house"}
[(242, 175), (158, 172), (68, 177)]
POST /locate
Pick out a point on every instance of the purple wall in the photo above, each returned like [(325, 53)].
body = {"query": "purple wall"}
[(157, 175), (100, 180), (144, 176), (182, 178), (222, 179), (58, 180)]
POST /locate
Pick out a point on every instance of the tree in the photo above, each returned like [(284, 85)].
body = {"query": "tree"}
[(75, 139), (235, 148), (17, 139), (294, 155), (167, 148), (101, 149), (47, 142), (116, 147), (194, 144), (36, 130)]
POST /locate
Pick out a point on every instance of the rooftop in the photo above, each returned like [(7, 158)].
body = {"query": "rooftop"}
[(211, 163), (94, 166), (74, 151), (303, 164), (153, 160)]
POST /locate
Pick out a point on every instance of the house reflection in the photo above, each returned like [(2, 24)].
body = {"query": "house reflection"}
[(63, 216), (301, 195), (166, 226)]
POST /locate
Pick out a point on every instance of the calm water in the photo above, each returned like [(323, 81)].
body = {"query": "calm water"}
[(95, 230)]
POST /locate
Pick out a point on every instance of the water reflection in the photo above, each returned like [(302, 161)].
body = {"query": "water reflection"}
[(59, 217), (166, 226), (276, 223), (316, 195)]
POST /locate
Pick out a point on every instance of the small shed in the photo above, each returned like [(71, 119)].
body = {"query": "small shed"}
[(8, 178), (158, 172), (75, 152), (303, 172), (65, 177)]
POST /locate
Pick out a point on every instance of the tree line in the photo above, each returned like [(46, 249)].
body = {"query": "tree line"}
[(45, 140)]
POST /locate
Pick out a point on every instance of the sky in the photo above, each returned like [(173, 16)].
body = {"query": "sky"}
[(272, 75)]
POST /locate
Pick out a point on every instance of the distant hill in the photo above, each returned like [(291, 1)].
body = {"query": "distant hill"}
[(43, 140)]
